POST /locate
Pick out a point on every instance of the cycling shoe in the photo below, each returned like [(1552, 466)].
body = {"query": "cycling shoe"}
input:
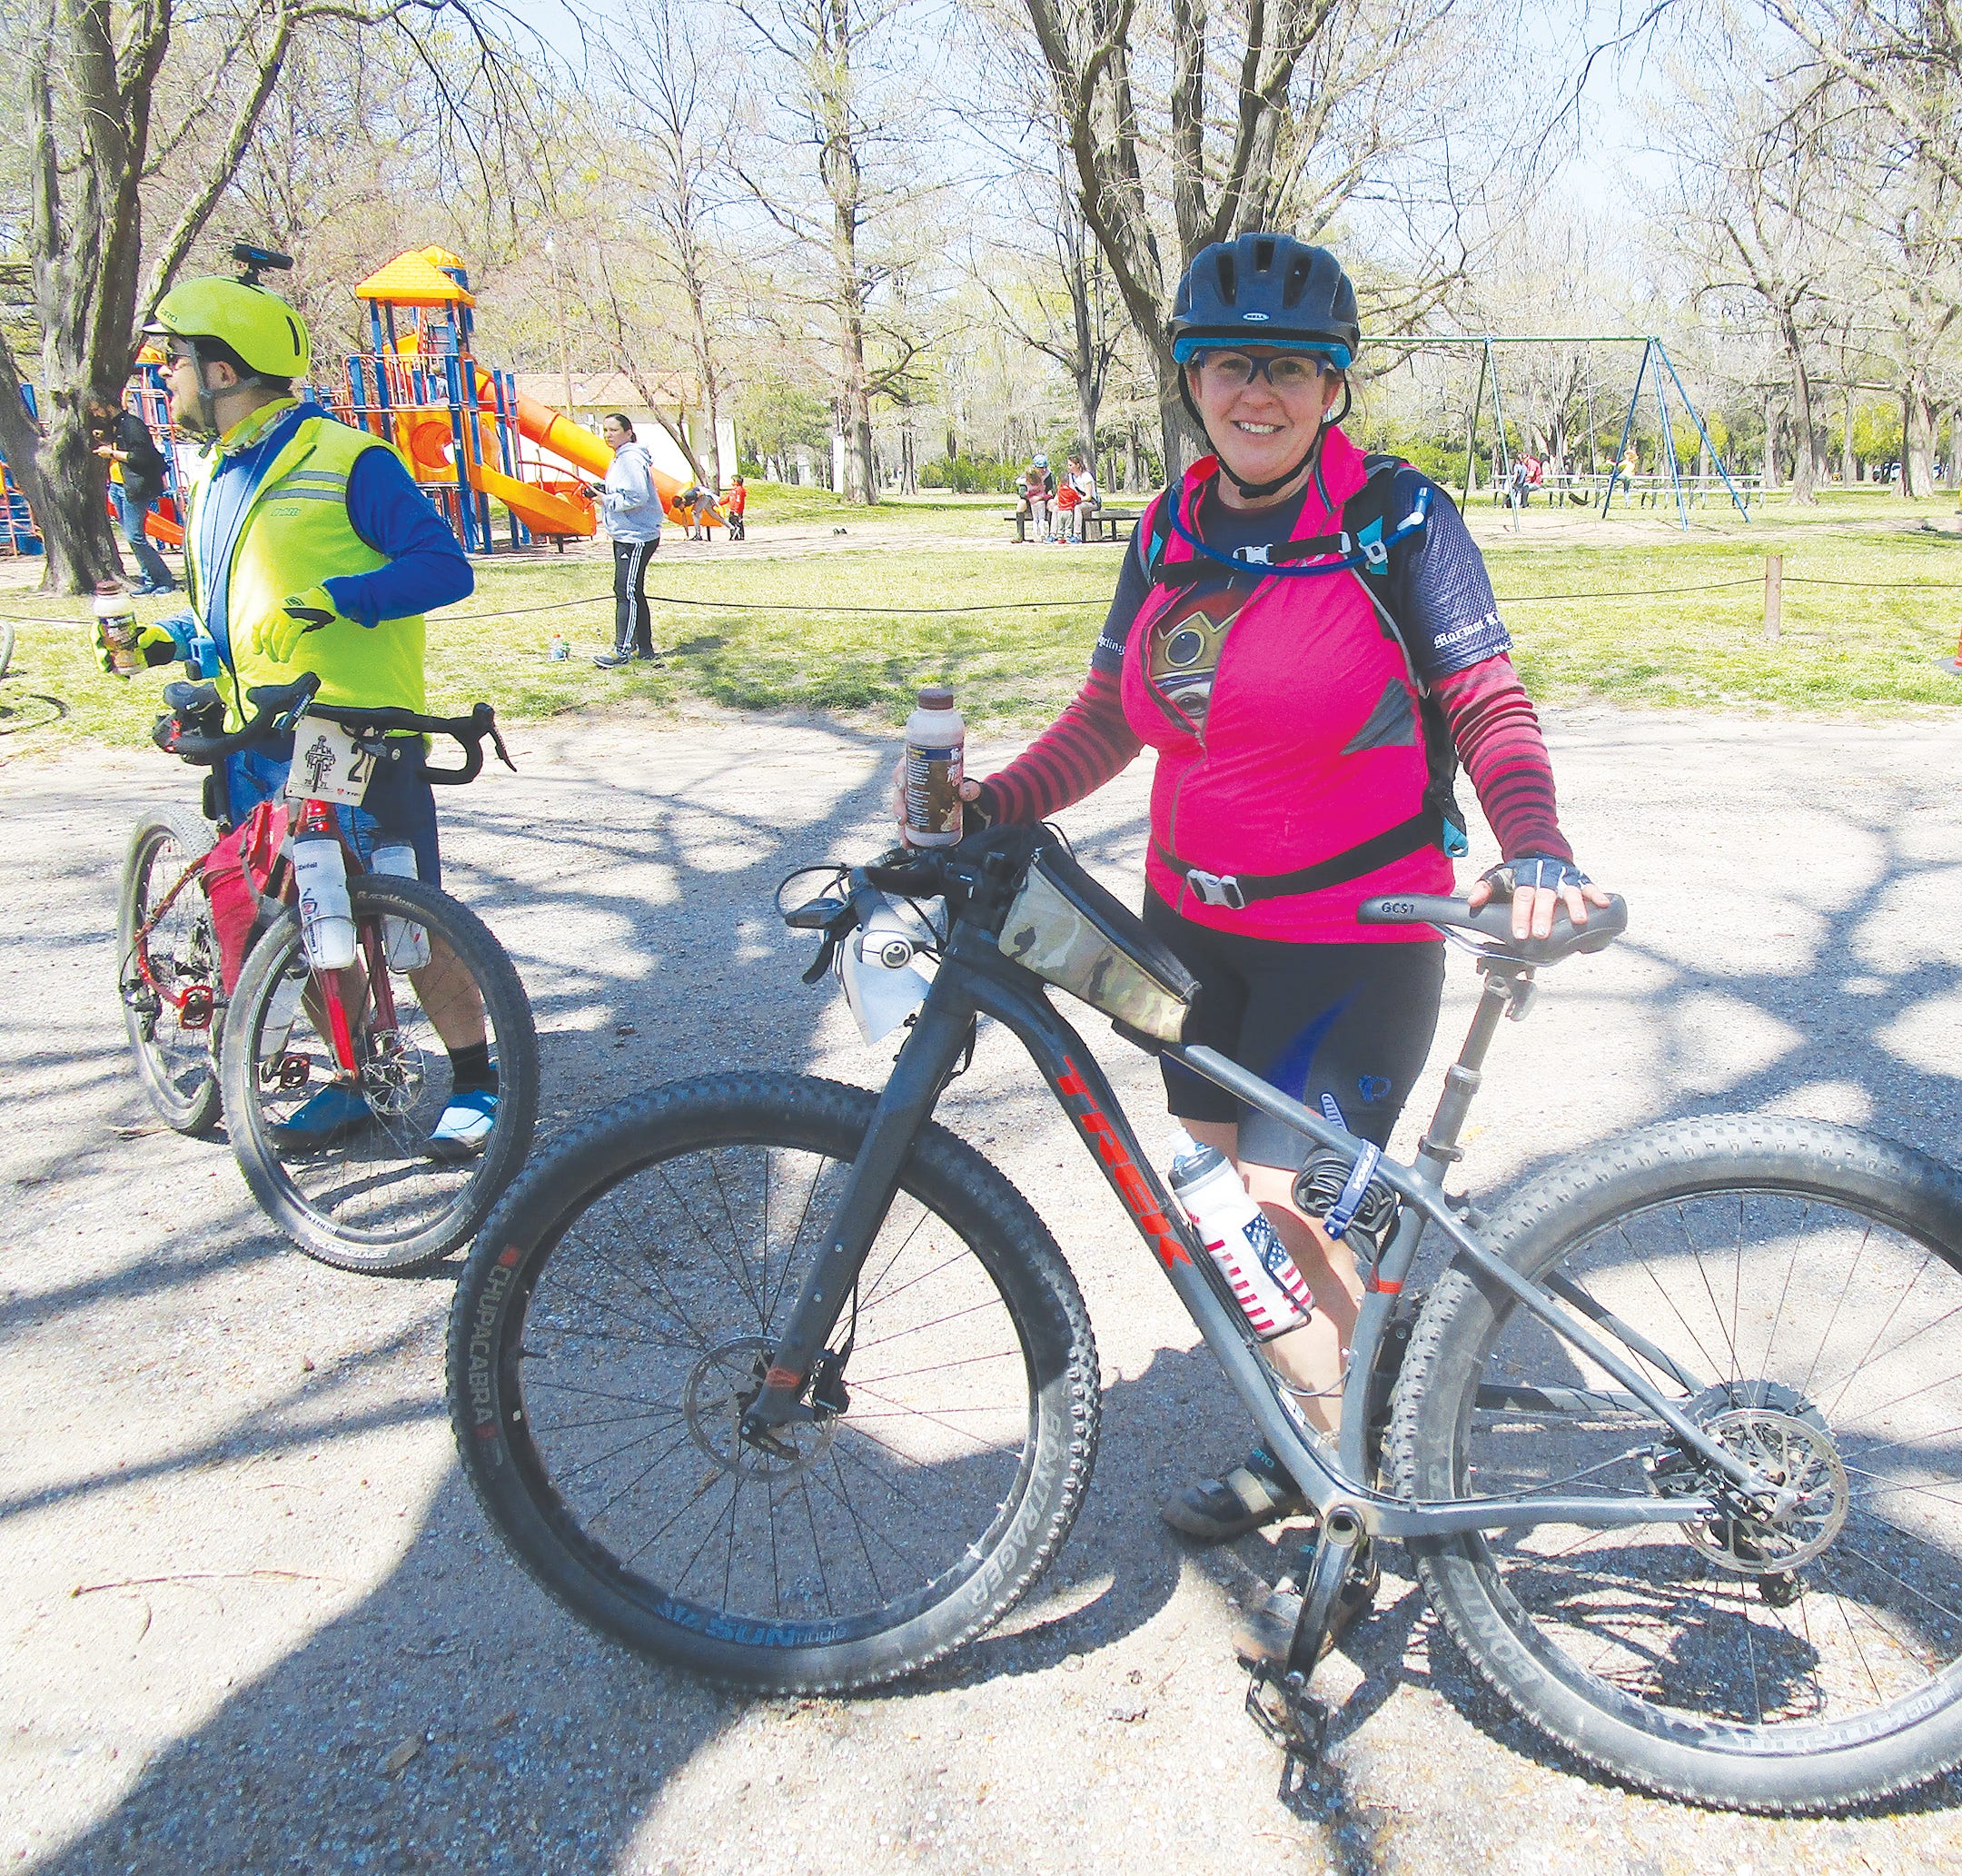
[(334, 1113), (466, 1124)]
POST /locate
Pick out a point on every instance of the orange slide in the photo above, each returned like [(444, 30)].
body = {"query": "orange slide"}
[(571, 443)]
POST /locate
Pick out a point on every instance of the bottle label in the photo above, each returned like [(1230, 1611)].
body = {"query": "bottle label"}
[(933, 779)]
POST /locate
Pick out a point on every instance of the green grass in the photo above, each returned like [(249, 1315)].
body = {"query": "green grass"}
[(738, 641)]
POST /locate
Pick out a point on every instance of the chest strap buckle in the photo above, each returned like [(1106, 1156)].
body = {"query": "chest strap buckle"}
[(1216, 890), (1258, 555)]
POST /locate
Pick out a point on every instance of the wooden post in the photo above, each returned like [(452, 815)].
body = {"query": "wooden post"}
[(1774, 593)]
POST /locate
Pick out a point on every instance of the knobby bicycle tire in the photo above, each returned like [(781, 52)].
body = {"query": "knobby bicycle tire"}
[(339, 1217), (582, 1337), (182, 1084), (1683, 1658)]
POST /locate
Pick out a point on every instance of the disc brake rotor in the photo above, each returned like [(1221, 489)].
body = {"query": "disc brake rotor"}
[(1800, 1457), (719, 1390), (392, 1077)]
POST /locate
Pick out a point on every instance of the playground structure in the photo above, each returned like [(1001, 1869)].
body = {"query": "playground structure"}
[(469, 436), (467, 433), (1656, 362)]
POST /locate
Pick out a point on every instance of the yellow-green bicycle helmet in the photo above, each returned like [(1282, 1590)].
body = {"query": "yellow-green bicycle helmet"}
[(260, 327)]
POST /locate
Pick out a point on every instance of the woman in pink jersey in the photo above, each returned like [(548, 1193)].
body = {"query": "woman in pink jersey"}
[(1305, 635)]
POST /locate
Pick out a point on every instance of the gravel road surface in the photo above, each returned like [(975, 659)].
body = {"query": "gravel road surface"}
[(254, 1623)]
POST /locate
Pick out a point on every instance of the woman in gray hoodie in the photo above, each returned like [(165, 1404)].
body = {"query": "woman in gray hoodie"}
[(630, 513)]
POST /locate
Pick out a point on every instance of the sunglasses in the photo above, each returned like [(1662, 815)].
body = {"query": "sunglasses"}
[(1290, 371)]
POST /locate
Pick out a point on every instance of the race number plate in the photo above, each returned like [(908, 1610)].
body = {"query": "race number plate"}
[(328, 765)]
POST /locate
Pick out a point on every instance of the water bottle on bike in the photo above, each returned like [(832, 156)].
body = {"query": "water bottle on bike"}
[(1270, 1290)]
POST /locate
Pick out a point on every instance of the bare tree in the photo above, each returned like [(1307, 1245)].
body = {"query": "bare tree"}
[(1272, 115), (94, 73), (666, 68), (1081, 327), (855, 118)]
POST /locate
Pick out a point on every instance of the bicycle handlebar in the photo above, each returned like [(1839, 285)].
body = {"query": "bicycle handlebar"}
[(276, 708)]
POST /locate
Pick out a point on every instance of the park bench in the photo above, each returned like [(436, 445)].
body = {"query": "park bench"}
[(1099, 524)]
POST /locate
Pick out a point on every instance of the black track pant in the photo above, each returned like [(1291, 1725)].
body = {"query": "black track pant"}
[(633, 627)]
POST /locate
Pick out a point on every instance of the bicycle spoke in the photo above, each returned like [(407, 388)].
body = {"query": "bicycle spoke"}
[(1810, 1291), (654, 1302)]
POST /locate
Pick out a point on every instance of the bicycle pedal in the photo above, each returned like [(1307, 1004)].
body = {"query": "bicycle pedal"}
[(1286, 1712)]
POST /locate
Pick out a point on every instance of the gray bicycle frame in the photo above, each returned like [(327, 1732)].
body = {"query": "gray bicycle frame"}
[(976, 979)]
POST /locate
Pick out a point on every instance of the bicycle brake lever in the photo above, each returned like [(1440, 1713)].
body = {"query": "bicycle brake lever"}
[(822, 962), (497, 742)]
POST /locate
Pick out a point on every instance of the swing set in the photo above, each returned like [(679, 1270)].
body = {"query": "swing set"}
[(1656, 366)]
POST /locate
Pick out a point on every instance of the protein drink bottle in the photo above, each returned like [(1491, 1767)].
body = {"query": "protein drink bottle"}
[(936, 745)]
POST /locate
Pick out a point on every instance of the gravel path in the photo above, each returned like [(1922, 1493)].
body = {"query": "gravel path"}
[(254, 1622)]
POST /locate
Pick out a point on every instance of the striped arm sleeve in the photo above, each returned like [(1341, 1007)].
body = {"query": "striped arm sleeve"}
[(1498, 738), (1079, 752)]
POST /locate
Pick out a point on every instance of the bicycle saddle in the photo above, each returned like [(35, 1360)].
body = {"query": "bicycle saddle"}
[(1493, 924)]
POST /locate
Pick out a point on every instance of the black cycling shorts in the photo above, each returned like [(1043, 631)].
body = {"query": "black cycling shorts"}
[(1351, 1021)]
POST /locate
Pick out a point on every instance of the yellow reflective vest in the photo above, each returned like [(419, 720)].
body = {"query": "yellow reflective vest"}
[(294, 534)]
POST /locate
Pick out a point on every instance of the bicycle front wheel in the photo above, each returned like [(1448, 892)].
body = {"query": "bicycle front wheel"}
[(1795, 1289), (357, 1167), (621, 1308), (168, 977)]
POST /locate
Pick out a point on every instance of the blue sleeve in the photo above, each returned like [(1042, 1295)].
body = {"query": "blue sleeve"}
[(426, 568), (1440, 591), (1133, 588)]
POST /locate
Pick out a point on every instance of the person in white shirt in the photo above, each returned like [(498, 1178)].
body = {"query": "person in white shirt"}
[(630, 513), (1076, 498)]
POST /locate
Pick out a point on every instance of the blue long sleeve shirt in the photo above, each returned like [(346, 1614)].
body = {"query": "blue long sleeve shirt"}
[(426, 568)]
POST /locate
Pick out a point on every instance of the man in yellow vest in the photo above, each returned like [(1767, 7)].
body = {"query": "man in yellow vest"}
[(308, 547)]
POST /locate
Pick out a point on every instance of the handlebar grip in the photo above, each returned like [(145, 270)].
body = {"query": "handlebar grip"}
[(469, 733)]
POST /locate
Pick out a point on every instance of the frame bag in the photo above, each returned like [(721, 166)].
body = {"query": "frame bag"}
[(1070, 932)]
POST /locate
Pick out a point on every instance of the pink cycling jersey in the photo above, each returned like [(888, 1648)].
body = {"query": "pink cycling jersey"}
[(1287, 728)]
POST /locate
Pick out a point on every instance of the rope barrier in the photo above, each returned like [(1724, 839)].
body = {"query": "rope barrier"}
[(1066, 605)]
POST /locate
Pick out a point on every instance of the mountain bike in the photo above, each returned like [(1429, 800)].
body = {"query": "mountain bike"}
[(779, 1381), (376, 1192)]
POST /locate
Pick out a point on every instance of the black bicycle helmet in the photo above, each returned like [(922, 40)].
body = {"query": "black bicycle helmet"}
[(1265, 290)]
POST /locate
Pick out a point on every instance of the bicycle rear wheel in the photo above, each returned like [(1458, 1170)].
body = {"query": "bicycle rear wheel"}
[(376, 1194), (173, 1016), (1799, 1289), (622, 1305)]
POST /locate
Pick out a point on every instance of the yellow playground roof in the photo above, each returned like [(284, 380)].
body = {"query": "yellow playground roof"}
[(416, 279)]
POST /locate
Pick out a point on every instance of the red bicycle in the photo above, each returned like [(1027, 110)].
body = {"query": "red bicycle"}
[(235, 1004)]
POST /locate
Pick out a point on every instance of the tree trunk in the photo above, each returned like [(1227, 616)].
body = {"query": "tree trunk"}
[(1848, 468), (1771, 442), (1184, 442), (64, 483), (1918, 436), (1804, 442)]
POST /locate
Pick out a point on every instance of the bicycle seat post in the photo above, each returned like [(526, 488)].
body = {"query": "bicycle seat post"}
[(1507, 991)]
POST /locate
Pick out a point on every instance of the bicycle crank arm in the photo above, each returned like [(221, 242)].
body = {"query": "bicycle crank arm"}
[(938, 1039)]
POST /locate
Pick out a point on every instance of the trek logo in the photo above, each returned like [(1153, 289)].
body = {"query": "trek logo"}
[(1124, 1174)]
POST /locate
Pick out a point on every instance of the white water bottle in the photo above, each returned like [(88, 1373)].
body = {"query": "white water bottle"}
[(936, 753), (326, 913), (405, 941), (1270, 1290)]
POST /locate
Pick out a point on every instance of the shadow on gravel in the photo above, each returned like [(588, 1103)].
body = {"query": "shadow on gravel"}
[(505, 1700), (454, 1718)]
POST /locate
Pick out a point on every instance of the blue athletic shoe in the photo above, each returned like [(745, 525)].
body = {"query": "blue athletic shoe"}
[(334, 1113), (466, 1124)]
